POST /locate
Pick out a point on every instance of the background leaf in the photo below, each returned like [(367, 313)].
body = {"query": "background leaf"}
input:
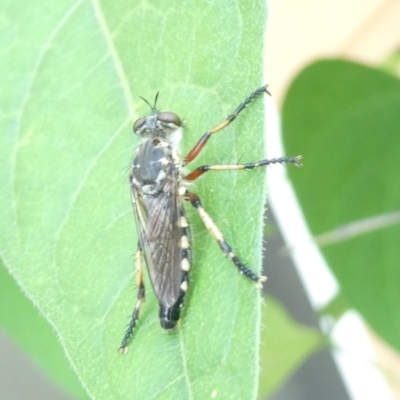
[(33, 333), (74, 77), (346, 119), (285, 344)]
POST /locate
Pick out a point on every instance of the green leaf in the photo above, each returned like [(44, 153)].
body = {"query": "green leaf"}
[(71, 92), (285, 344), (32, 332), (392, 63), (345, 119)]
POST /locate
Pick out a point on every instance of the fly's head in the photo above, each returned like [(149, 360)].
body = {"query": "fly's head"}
[(165, 124)]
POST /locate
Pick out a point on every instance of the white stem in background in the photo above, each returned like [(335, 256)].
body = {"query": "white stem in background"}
[(354, 353)]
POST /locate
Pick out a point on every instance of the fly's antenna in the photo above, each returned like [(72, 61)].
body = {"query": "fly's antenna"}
[(153, 108), (155, 101)]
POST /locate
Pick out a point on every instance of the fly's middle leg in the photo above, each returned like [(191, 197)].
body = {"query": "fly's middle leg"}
[(141, 298), (217, 235), (234, 167)]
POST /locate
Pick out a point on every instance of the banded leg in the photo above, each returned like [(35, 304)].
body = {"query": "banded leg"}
[(141, 298), (204, 139), (217, 235), (263, 163)]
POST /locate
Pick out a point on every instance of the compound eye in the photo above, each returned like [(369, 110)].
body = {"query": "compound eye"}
[(169, 118), (138, 124)]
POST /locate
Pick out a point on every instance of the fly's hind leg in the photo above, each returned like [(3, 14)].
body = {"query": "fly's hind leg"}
[(217, 235), (141, 298)]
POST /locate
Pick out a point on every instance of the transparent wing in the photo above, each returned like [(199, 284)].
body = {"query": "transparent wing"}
[(158, 224)]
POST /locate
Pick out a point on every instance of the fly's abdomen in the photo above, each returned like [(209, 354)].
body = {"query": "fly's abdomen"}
[(169, 316)]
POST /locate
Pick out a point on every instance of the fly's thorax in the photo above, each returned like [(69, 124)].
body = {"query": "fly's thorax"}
[(155, 162)]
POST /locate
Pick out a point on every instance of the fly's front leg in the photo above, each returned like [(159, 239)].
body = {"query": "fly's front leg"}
[(204, 139), (141, 298), (263, 163), (217, 235)]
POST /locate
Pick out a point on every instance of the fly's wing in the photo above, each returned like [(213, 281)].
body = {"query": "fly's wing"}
[(158, 224)]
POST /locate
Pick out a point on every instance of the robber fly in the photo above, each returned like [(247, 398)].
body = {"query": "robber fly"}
[(159, 188)]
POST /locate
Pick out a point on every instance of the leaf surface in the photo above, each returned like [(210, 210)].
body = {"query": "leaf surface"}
[(345, 119), (74, 77)]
